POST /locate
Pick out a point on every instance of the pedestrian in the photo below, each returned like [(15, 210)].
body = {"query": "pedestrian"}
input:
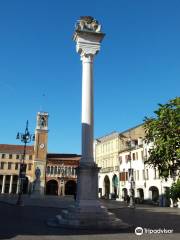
[(127, 199)]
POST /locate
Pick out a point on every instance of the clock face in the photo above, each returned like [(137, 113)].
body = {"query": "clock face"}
[(41, 145)]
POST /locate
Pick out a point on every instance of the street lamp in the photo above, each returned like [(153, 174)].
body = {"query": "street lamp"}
[(131, 177), (25, 137)]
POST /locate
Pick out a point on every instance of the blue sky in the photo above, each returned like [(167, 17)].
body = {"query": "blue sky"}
[(137, 68)]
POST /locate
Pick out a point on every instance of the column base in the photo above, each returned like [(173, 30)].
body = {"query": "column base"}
[(88, 212), (94, 218)]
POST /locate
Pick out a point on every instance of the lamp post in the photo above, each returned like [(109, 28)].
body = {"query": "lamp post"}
[(131, 176), (25, 137)]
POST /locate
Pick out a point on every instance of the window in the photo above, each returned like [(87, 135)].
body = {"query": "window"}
[(17, 156), (136, 155), (55, 170), (16, 166), (123, 176), (155, 174), (3, 155), (30, 157), (143, 174), (29, 167), (48, 170), (120, 159), (9, 165), (137, 175), (142, 155), (147, 174), (127, 157), (10, 156), (2, 165), (133, 156), (52, 169)]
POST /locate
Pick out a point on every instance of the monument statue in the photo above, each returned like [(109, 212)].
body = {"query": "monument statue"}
[(37, 173), (88, 23)]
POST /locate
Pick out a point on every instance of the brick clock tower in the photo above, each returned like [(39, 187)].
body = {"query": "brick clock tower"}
[(40, 152)]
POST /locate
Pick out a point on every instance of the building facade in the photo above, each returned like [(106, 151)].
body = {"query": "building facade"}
[(117, 154), (61, 175), (57, 171), (10, 157), (147, 184)]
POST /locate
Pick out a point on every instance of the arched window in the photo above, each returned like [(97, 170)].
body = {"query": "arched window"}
[(55, 170), (48, 169), (52, 169), (69, 171), (65, 171)]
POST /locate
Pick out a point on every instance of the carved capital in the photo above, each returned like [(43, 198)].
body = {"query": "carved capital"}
[(87, 43), (86, 49)]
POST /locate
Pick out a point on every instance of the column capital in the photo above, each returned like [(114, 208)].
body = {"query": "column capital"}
[(87, 43)]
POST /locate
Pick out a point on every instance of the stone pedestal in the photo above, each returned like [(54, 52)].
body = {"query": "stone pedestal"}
[(36, 188), (88, 212)]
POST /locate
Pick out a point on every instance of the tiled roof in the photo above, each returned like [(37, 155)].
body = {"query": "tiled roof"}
[(63, 156), (9, 148)]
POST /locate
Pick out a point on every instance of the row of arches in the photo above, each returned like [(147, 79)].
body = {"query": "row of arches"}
[(52, 187), (114, 185), (153, 193)]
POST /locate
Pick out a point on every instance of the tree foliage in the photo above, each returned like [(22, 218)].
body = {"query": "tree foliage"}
[(175, 190), (164, 131)]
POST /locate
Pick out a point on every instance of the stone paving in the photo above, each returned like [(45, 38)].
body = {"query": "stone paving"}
[(29, 221)]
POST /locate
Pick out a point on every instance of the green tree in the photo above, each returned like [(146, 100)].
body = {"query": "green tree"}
[(175, 190), (164, 131)]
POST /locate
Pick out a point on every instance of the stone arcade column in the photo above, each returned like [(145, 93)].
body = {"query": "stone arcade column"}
[(88, 211), (10, 185), (3, 184)]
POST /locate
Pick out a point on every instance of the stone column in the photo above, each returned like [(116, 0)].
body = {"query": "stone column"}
[(88, 212), (10, 185), (87, 45), (3, 184), (18, 185)]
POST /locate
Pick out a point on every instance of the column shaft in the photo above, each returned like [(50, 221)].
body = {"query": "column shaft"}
[(87, 110)]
